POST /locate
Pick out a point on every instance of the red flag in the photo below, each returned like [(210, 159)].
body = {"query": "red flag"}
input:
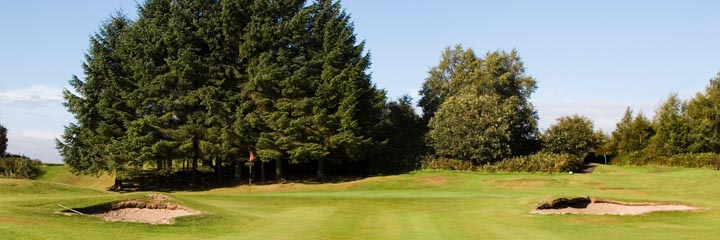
[(252, 156)]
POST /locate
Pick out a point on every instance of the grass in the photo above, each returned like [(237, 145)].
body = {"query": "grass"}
[(421, 205)]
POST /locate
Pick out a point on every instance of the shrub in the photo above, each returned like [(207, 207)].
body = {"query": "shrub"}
[(539, 162), (694, 160), (19, 167), (446, 164), (634, 158)]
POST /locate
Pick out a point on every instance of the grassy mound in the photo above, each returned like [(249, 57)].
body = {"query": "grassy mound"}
[(61, 174)]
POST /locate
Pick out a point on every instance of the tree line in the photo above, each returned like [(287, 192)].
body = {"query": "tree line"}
[(192, 87), (682, 133), (479, 117), (189, 89)]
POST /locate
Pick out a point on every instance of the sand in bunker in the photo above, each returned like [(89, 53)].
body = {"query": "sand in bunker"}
[(157, 210), (146, 215), (594, 206)]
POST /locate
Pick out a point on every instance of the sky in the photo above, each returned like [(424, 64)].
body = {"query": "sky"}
[(592, 58)]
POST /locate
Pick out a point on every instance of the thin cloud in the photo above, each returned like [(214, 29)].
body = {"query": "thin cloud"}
[(31, 97), (34, 144)]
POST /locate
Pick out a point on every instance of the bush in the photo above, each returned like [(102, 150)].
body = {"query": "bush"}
[(539, 162), (19, 167), (446, 164), (694, 160), (635, 158)]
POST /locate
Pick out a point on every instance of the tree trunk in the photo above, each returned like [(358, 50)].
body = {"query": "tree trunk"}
[(218, 169), (321, 169), (142, 178), (158, 172), (262, 171), (238, 171), (278, 171), (118, 182), (193, 174)]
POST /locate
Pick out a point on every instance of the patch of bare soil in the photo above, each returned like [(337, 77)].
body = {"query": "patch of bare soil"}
[(155, 211), (592, 206)]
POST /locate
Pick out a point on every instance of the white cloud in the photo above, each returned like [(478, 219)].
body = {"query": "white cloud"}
[(34, 144), (36, 95)]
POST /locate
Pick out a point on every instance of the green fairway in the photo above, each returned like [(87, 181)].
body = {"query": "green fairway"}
[(422, 205)]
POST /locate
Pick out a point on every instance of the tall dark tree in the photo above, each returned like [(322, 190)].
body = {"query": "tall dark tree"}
[(703, 116), (344, 106), (96, 103), (3, 140), (403, 133), (671, 129), (632, 134), (272, 87), (202, 83)]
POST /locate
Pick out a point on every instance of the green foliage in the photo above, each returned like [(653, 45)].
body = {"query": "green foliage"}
[(538, 162), (472, 128), (571, 135), (442, 163), (3, 140), (484, 100), (692, 160), (680, 135), (455, 67), (702, 114), (403, 144), (19, 167), (630, 134), (671, 129), (199, 84), (96, 103)]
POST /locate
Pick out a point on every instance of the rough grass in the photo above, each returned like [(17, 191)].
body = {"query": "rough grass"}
[(422, 205), (60, 174)]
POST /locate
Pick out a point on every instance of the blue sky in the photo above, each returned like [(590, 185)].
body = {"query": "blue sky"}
[(589, 58)]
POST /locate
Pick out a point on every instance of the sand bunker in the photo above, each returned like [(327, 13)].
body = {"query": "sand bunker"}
[(592, 206), (155, 211)]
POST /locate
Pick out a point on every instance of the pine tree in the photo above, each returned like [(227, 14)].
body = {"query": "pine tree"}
[(96, 103), (346, 104), (3, 140), (631, 134), (671, 129), (703, 115)]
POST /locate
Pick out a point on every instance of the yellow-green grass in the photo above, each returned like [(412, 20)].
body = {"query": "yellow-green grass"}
[(421, 205), (60, 174)]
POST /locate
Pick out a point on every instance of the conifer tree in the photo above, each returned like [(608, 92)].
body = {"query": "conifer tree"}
[(631, 134), (703, 112), (346, 104), (97, 104), (671, 129), (3, 140)]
